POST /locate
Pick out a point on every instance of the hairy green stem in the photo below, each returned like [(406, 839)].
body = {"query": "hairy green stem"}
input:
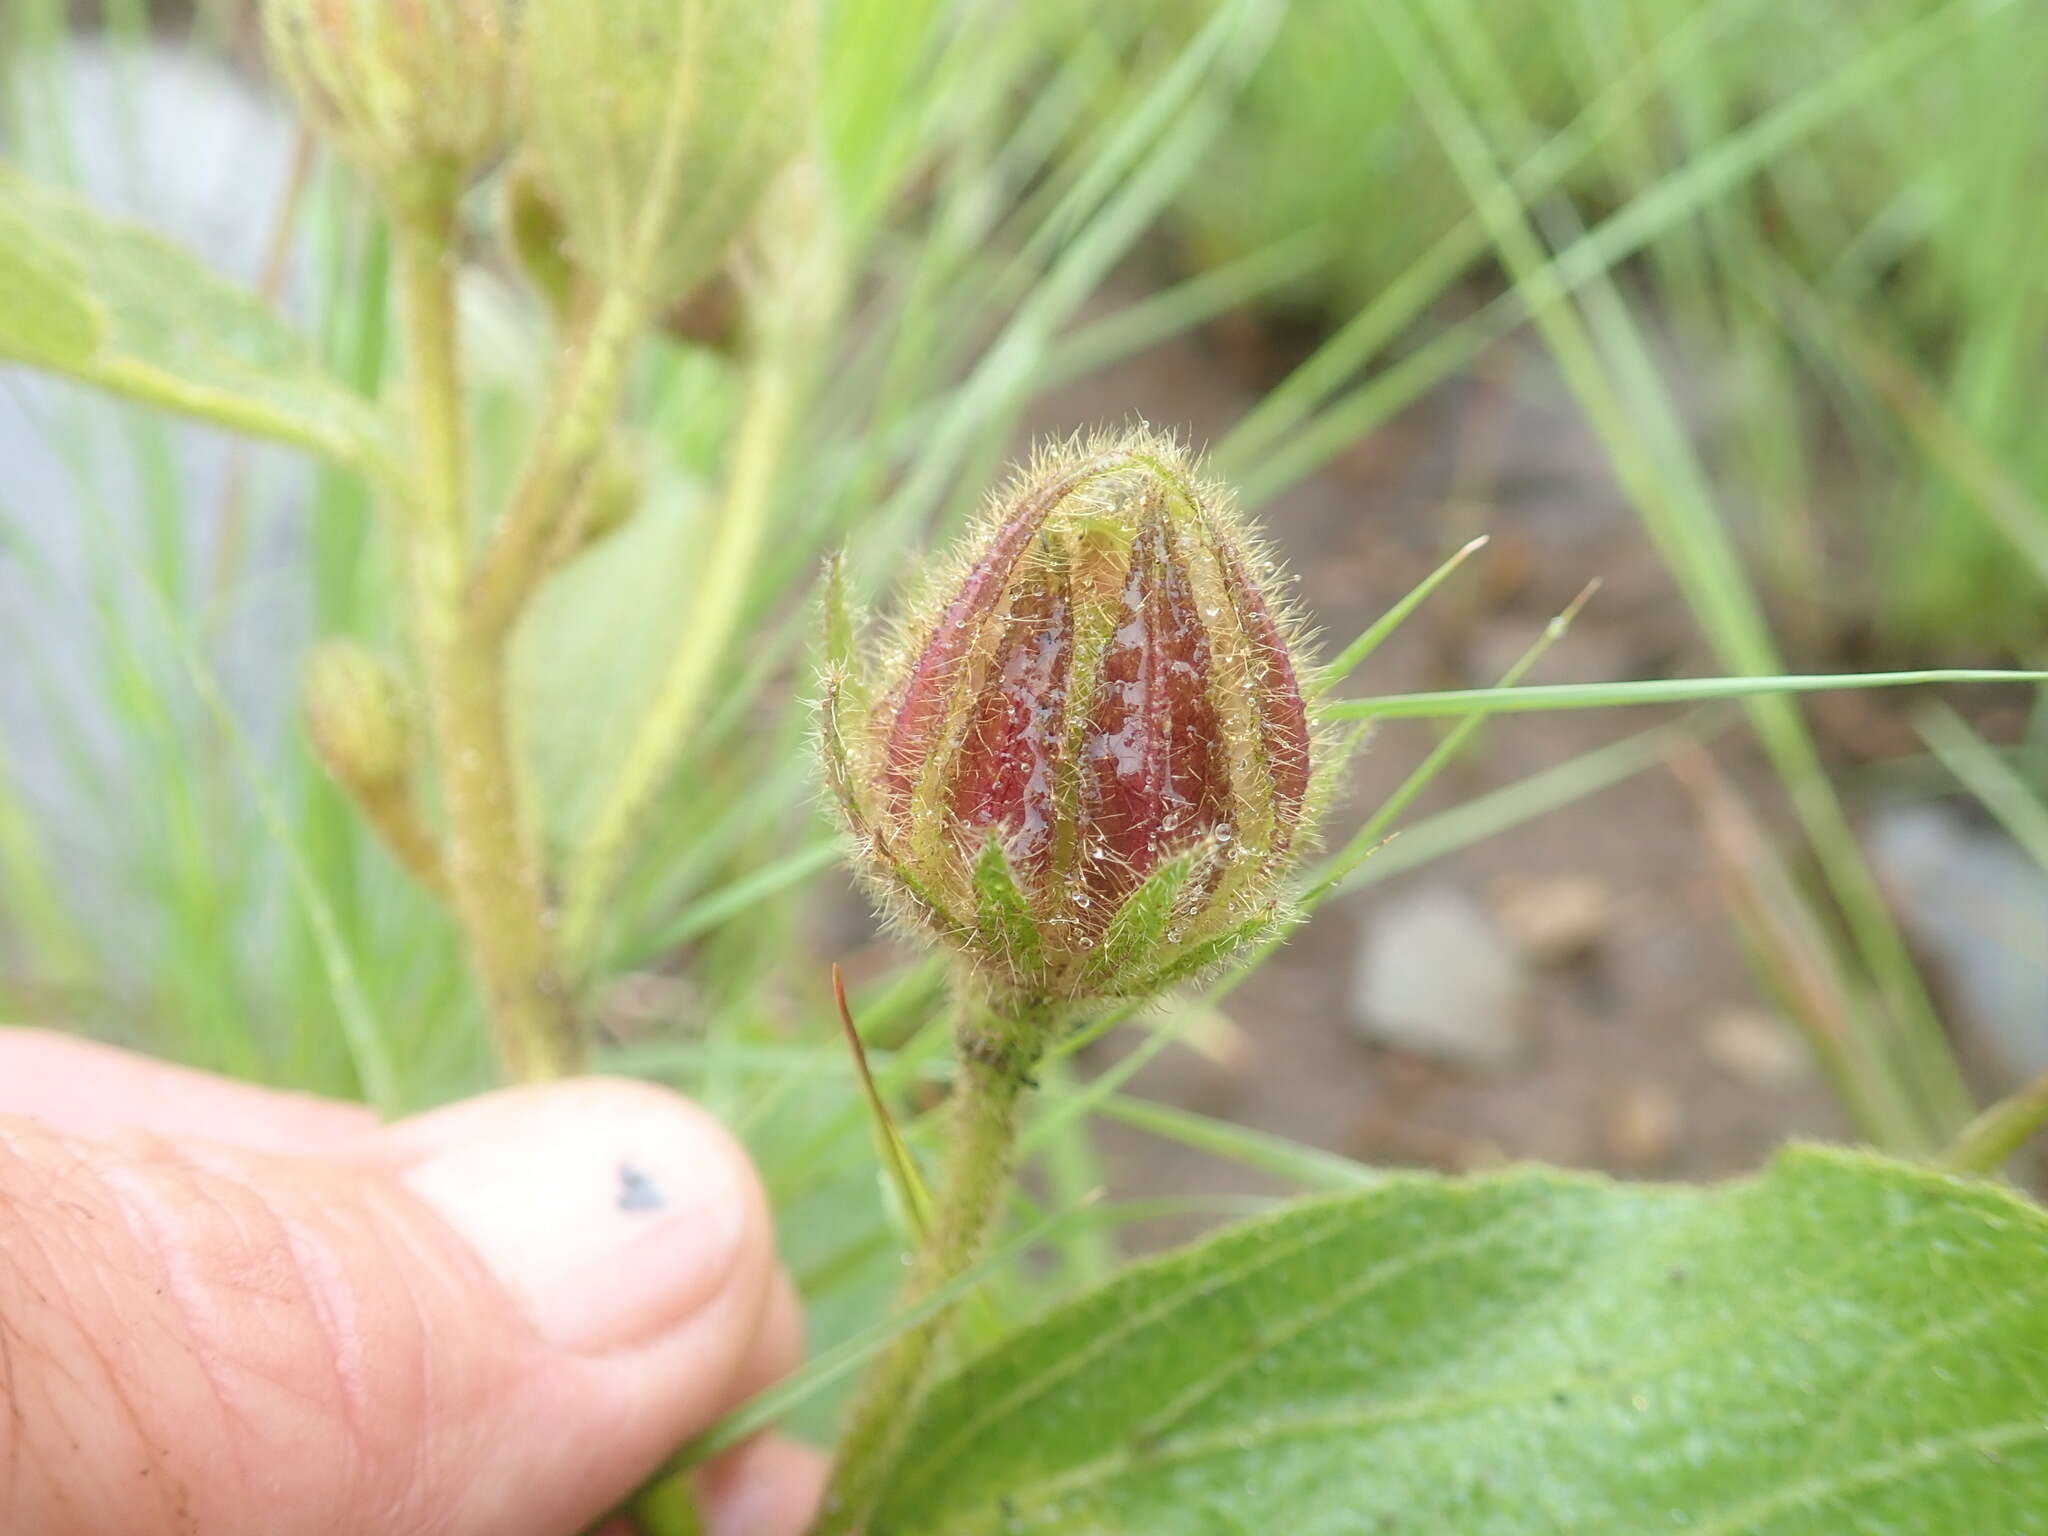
[(1988, 1141), (591, 384), (395, 817), (739, 532), (493, 874), (992, 1081), (577, 422), (425, 243)]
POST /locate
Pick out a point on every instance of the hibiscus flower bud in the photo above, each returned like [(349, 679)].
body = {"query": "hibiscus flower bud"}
[(656, 125), (1086, 764), (356, 715), (410, 90)]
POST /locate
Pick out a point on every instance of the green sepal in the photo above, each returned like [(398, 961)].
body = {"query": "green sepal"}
[(1201, 956), (1139, 930), (842, 633), (1003, 918), (936, 911), (836, 754)]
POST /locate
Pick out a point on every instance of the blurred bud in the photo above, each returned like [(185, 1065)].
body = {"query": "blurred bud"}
[(1087, 765), (708, 316), (407, 89), (783, 278), (656, 125), (532, 230), (356, 716), (791, 268)]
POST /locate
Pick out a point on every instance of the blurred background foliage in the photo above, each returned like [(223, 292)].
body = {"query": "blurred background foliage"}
[(1863, 274), (1782, 261)]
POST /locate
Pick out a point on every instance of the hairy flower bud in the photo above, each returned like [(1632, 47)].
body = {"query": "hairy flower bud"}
[(1087, 765), (655, 125), (356, 716), (405, 88)]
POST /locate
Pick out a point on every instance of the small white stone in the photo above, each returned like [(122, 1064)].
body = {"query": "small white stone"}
[(1979, 905), (1436, 976), (1757, 1048), (1643, 1126), (1558, 918)]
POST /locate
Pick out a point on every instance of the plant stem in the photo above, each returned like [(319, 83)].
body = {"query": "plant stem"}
[(2000, 1131), (721, 589), (425, 239), (590, 385), (976, 1177), (573, 431), (492, 873), (395, 817)]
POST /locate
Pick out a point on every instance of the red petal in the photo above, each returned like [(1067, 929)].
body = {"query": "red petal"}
[(1003, 776), (921, 706), (1154, 777), (1283, 715)]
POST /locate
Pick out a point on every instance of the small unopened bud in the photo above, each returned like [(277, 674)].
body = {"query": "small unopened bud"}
[(1087, 765), (532, 230), (656, 124), (783, 277), (791, 268), (708, 316), (356, 717), (410, 90)]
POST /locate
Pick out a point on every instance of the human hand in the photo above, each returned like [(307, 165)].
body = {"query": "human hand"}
[(227, 1310)]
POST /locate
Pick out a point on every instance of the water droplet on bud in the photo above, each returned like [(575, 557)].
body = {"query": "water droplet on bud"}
[(1107, 691)]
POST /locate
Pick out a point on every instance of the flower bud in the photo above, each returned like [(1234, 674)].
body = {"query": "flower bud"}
[(708, 316), (1087, 765), (531, 227), (407, 89), (356, 716), (655, 125)]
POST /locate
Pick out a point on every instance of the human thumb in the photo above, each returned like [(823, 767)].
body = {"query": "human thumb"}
[(495, 1318)]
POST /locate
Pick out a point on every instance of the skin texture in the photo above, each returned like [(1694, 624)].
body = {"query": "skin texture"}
[(226, 1310)]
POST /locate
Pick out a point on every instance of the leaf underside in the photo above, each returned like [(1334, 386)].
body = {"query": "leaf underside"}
[(1839, 1345), (112, 304)]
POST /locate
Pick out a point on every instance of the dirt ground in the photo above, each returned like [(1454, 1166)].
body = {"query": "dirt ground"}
[(1619, 1068)]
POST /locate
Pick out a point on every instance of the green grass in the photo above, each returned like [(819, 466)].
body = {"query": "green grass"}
[(1832, 206)]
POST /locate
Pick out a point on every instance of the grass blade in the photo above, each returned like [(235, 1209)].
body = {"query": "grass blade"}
[(1353, 656), (2007, 796), (1677, 690)]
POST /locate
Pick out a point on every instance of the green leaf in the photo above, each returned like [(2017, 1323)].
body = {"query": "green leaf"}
[(1676, 690), (44, 317), (1839, 1345), (116, 306)]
